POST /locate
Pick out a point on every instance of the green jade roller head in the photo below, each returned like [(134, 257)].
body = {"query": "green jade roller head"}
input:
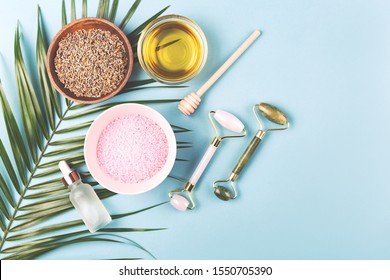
[(272, 114)]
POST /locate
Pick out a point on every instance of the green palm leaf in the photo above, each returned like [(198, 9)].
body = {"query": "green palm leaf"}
[(53, 239), (63, 151), (47, 193), (64, 20), (36, 150), (106, 106), (2, 224), (103, 9), (70, 224), (113, 10), (129, 14), (47, 184), (17, 144), (32, 116), (71, 140), (84, 9), (50, 96), (4, 209), (73, 10), (133, 35), (6, 192), (10, 170), (75, 127), (43, 248)]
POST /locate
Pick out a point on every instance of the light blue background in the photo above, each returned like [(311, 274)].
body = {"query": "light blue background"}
[(319, 190)]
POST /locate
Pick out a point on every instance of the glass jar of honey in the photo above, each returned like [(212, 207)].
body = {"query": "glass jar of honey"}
[(172, 49)]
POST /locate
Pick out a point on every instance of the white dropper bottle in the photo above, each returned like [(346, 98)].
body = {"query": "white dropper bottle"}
[(84, 199)]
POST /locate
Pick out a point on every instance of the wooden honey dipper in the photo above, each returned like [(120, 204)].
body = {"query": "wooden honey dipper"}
[(189, 103)]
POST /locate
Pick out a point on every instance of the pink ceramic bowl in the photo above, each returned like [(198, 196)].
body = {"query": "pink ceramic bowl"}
[(91, 141)]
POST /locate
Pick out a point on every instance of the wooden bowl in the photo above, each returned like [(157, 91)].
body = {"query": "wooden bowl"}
[(86, 24)]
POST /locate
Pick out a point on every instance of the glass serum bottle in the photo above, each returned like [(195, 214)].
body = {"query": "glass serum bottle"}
[(84, 199)]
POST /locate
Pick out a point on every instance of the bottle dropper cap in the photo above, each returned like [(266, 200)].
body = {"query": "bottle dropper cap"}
[(70, 176)]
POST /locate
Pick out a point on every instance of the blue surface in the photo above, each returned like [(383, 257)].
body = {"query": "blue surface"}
[(319, 190)]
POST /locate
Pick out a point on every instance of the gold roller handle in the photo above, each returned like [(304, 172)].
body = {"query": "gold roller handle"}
[(242, 162)]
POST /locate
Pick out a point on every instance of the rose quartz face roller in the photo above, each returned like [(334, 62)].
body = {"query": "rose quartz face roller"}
[(189, 104), (226, 120)]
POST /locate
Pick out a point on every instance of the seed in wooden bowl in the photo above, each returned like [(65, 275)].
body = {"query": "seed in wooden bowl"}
[(91, 63)]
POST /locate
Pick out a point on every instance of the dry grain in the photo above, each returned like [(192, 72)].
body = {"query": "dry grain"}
[(91, 63)]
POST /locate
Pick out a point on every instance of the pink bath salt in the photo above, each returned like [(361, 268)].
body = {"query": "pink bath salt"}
[(132, 148)]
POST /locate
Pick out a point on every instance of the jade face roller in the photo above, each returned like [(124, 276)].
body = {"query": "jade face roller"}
[(226, 120), (272, 114)]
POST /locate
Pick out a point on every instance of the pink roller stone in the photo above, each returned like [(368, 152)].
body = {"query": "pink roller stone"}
[(179, 202), (229, 121), (132, 148)]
